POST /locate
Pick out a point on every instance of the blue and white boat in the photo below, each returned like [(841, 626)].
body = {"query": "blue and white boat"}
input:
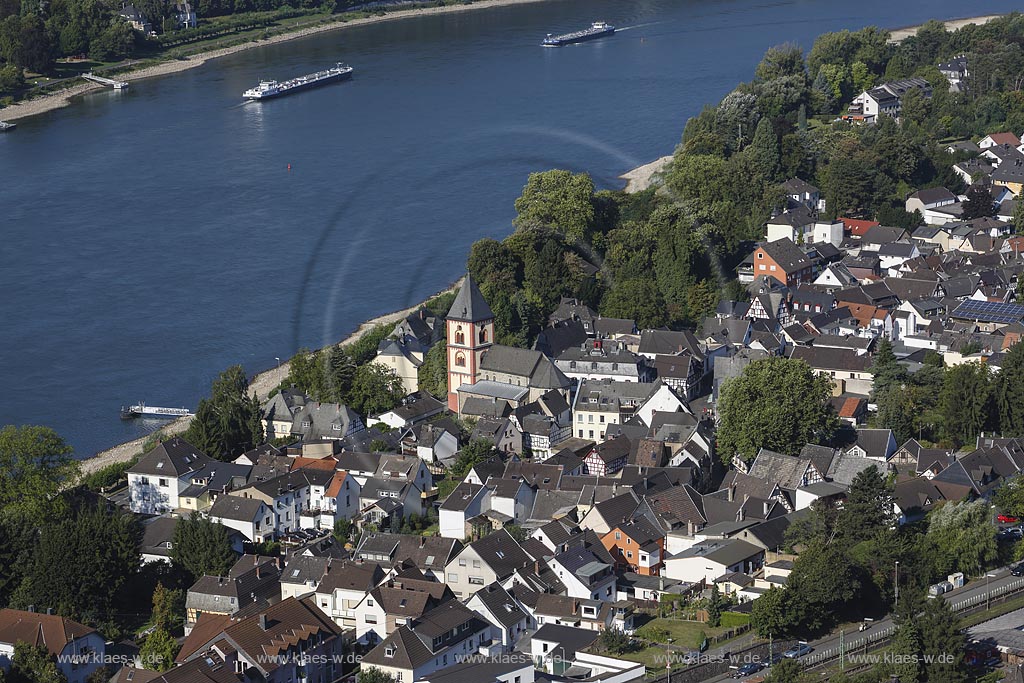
[(598, 29)]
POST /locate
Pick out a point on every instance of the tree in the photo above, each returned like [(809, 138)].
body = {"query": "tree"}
[(229, 422), (1018, 217), (635, 299), (781, 61), (771, 614), (432, 375), (81, 564), (342, 529), (714, 607), (371, 674), (885, 369), (897, 411), (546, 275), (942, 643), (913, 107), (475, 452), (158, 650), (560, 200), (202, 547), (33, 664), (868, 508), (776, 403), (824, 585), (966, 401), (979, 203), (1010, 391), (376, 389), (517, 532), (961, 538), (906, 648), (614, 641), (167, 607), (764, 151), (786, 671), (35, 464)]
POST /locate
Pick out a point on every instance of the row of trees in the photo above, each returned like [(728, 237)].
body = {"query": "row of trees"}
[(845, 571), (952, 405)]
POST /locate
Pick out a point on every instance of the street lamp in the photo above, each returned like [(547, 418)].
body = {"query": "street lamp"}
[(897, 604), (668, 660), (278, 362), (988, 590)]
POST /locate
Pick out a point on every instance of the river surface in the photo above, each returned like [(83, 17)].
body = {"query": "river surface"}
[(154, 237)]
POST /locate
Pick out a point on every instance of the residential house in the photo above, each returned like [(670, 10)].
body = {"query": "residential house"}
[(344, 586), (252, 579), (886, 99), (877, 444), (464, 503), (708, 560), (430, 554), (482, 562), (637, 546), (602, 359), (156, 481), (289, 641), (504, 611), (801, 193), (586, 572), (599, 406), (401, 600), (929, 198), (250, 517), (608, 457), (783, 260), (78, 649), (447, 635), (849, 371), (417, 407)]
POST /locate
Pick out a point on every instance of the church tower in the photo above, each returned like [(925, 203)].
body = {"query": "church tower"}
[(470, 332)]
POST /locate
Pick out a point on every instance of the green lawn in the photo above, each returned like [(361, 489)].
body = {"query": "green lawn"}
[(684, 634)]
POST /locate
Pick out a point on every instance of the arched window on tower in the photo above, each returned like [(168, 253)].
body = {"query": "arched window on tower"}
[(483, 334), (460, 359), (460, 336)]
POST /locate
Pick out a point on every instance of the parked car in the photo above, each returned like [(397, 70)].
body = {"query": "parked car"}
[(1006, 519), (1017, 569), (797, 651), (748, 669)]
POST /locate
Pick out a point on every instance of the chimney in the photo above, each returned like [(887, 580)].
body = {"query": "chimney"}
[(32, 608), (690, 528), (263, 622), (423, 541), (732, 492), (49, 611)]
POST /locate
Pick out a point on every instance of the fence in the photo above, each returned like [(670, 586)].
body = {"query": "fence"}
[(1005, 589)]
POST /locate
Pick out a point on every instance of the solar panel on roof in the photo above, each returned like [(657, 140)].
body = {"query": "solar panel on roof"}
[(993, 311)]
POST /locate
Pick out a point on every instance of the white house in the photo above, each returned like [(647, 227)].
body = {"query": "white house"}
[(248, 516), (464, 503), (584, 575), (156, 481), (708, 560)]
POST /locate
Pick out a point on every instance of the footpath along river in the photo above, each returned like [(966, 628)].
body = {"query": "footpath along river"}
[(152, 238)]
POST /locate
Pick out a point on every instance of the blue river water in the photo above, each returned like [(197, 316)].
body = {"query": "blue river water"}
[(154, 237)]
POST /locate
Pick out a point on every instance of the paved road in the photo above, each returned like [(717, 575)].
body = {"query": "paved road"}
[(854, 641)]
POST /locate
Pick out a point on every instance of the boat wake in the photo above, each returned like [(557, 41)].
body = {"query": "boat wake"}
[(650, 23)]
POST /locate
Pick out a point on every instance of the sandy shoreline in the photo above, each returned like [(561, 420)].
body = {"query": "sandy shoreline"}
[(261, 385), (642, 177), (62, 98), (898, 34)]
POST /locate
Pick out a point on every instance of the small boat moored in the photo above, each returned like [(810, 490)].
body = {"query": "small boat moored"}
[(4, 126), (142, 410)]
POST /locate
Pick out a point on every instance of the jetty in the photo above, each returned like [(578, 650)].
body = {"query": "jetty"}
[(116, 85)]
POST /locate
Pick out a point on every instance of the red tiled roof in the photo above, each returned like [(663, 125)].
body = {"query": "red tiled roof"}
[(1005, 139), (47, 630), (326, 464), (851, 406), (858, 227), (334, 488)]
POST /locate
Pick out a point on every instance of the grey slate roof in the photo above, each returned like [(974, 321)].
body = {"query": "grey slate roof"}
[(470, 305), (172, 458)]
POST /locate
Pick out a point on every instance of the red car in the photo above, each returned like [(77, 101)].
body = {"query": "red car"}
[(1006, 519)]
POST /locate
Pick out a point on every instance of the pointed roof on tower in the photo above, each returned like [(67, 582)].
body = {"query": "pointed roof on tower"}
[(470, 305)]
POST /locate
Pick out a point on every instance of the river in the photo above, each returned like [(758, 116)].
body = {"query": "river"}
[(152, 238)]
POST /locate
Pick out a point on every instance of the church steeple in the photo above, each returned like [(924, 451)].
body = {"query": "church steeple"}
[(470, 332), (470, 305)]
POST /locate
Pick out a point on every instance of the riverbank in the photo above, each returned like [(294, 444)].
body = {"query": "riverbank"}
[(63, 98), (897, 35), (261, 385), (642, 177)]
